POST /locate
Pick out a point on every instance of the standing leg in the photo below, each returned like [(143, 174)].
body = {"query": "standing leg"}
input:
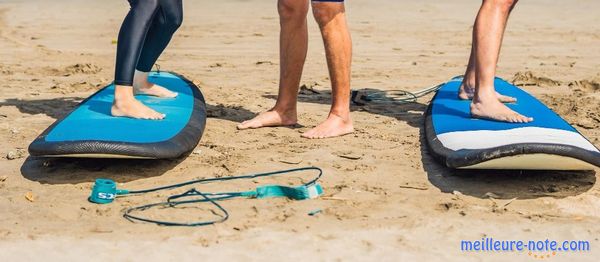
[(293, 46), (487, 38), (467, 87), (338, 50), (131, 40), (166, 22)]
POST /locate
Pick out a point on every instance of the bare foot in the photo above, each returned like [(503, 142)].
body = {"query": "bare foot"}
[(467, 92), (493, 109), (269, 119), (332, 127), (142, 86), (134, 109)]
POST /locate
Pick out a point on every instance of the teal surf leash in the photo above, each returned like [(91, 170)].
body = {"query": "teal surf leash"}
[(105, 191)]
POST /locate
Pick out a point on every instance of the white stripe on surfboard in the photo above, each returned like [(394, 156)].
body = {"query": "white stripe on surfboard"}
[(481, 139)]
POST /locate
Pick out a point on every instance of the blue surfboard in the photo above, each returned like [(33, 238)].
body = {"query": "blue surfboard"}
[(547, 143), (90, 130)]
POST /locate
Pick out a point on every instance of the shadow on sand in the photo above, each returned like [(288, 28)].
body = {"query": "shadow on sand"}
[(81, 170), (231, 113), (411, 113), (56, 107)]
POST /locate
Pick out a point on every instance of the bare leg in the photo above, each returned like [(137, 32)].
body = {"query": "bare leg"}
[(467, 87), (338, 49), (293, 45), (125, 105), (487, 38), (141, 85)]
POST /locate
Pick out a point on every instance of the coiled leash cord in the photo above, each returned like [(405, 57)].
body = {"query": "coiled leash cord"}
[(105, 191), (364, 97)]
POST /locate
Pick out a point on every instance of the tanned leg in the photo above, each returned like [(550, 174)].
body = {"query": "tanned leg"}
[(293, 46), (487, 38), (338, 49)]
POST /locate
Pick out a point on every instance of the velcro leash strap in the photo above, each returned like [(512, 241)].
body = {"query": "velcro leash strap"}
[(296, 193)]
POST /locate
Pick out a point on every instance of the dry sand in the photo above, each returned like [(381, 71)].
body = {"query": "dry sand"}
[(394, 202)]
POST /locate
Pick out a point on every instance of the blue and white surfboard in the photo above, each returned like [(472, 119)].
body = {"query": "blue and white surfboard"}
[(90, 130), (547, 143)]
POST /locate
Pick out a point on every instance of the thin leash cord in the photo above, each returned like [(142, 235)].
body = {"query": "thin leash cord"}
[(401, 96), (205, 197), (169, 203), (394, 96), (208, 180)]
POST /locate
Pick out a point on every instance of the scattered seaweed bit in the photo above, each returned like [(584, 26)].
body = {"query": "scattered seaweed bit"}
[(30, 197), (491, 195), (309, 90), (349, 155), (291, 161), (527, 78), (417, 187), (315, 212), (266, 62)]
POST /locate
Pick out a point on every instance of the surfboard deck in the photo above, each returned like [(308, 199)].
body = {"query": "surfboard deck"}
[(547, 143), (90, 130)]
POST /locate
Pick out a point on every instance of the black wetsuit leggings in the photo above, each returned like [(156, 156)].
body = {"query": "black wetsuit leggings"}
[(145, 33)]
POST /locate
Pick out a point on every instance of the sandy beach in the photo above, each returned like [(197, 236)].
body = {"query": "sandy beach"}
[(386, 198)]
